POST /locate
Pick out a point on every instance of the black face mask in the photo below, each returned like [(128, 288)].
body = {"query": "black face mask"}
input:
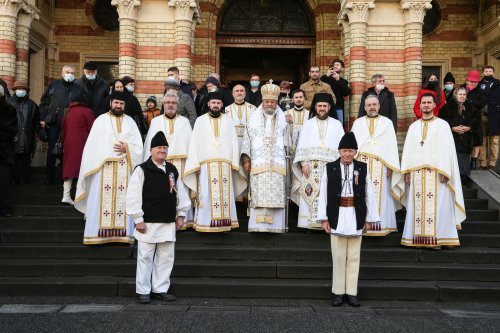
[(432, 84)]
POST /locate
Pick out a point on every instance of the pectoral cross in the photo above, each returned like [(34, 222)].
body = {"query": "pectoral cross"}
[(422, 143)]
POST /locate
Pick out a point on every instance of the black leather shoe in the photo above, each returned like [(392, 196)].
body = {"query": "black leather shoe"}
[(353, 301), (337, 300), (144, 299), (163, 296)]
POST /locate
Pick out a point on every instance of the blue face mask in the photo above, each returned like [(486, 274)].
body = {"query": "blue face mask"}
[(254, 84), (90, 76), (20, 93), (130, 88), (69, 77)]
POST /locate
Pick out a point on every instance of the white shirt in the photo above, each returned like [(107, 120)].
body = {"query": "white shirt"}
[(346, 225), (155, 232)]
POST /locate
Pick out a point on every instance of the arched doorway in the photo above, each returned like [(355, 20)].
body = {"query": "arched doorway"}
[(272, 38)]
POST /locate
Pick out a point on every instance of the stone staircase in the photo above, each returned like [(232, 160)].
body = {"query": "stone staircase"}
[(41, 254)]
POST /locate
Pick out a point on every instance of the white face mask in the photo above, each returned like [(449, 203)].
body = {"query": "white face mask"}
[(130, 88), (69, 77), (214, 89), (90, 77), (20, 93), (449, 87), (379, 87)]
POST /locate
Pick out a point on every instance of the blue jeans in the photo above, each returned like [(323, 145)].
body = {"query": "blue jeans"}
[(340, 115)]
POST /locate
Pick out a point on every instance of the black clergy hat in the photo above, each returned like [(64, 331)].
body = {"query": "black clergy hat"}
[(348, 141), (90, 65), (449, 78), (215, 95), (119, 95), (159, 140)]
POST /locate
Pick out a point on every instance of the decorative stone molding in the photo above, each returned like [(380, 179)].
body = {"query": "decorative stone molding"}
[(185, 9), (127, 9), (25, 19), (414, 10), (12, 8), (356, 11)]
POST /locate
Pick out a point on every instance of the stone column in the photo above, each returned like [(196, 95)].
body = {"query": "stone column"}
[(184, 14), (414, 12), (8, 33), (127, 15), (356, 13), (23, 38)]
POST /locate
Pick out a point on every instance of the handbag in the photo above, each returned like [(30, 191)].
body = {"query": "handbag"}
[(58, 147)]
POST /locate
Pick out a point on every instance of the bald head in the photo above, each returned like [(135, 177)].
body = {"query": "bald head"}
[(239, 93)]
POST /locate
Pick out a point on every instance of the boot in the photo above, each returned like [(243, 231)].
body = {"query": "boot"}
[(66, 192)]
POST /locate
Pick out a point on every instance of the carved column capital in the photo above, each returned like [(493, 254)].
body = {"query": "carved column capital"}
[(127, 9), (25, 19), (356, 11), (11, 7), (185, 9), (414, 10)]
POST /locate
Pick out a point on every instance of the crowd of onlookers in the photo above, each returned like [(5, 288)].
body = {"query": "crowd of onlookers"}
[(69, 106)]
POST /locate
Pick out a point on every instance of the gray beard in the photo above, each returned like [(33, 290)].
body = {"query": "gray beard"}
[(270, 111)]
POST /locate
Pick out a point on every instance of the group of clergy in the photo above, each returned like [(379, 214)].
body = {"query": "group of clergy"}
[(241, 152)]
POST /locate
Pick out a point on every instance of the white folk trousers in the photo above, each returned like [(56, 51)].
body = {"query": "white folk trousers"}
[(154, 265), (345, 256)]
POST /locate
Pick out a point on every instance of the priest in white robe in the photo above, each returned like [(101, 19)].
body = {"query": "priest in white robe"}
[(113, 149), (346, 208), (378, 148), (296, 117), (317, 145), (263, 157), (240, 111), (433, 195), (177, 130), (212, 169)]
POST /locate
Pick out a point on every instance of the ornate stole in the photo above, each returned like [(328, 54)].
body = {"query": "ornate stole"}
[(114, 182), (219, 177), (310, 189), (376, 170), (425, 182)]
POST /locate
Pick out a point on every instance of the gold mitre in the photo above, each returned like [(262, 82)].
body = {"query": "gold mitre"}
[(270, 91)]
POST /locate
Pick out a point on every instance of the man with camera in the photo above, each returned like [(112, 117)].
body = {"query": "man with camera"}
[(339, 85)]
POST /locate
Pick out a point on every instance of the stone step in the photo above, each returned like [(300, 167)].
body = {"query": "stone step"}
[(253, 269), (45, 210), (470, 255), (451, 291), (237, 238)]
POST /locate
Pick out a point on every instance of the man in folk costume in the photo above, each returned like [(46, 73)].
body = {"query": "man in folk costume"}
[(157, 201), (296, 118), (378, 148), (346, 207), (240, 111), (177, 130), (263, 156), (112, 150), (433, 196), (212, 169), (317, 145)]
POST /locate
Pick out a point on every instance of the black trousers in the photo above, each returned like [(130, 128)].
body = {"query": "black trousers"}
[(5, 173), (50, 167), (21, 167)]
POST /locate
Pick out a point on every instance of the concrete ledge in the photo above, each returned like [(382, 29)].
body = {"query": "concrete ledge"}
[(487, 184)]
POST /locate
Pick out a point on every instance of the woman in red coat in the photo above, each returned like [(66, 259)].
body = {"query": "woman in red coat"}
[(430, 85), (76, 125)]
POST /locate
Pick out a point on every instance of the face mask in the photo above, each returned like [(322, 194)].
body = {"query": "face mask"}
[(379, 87), (432, 84), (20, 93), (90, 77), (69, 77), (449, 87), (130, 88), (254, 84), (212, 90)]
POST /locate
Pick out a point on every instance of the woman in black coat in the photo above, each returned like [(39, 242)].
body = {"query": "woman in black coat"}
[(464, 119)]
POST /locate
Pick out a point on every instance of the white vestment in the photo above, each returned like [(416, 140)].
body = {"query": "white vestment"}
[(240, 114), (103, 179), (317, 145), (434, 210), (299, 117), (264, 143), (213, 153), (178, 132), (378, 148), (155, 249)]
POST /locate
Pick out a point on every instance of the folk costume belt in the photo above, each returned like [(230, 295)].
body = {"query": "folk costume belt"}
[(346, 202)]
